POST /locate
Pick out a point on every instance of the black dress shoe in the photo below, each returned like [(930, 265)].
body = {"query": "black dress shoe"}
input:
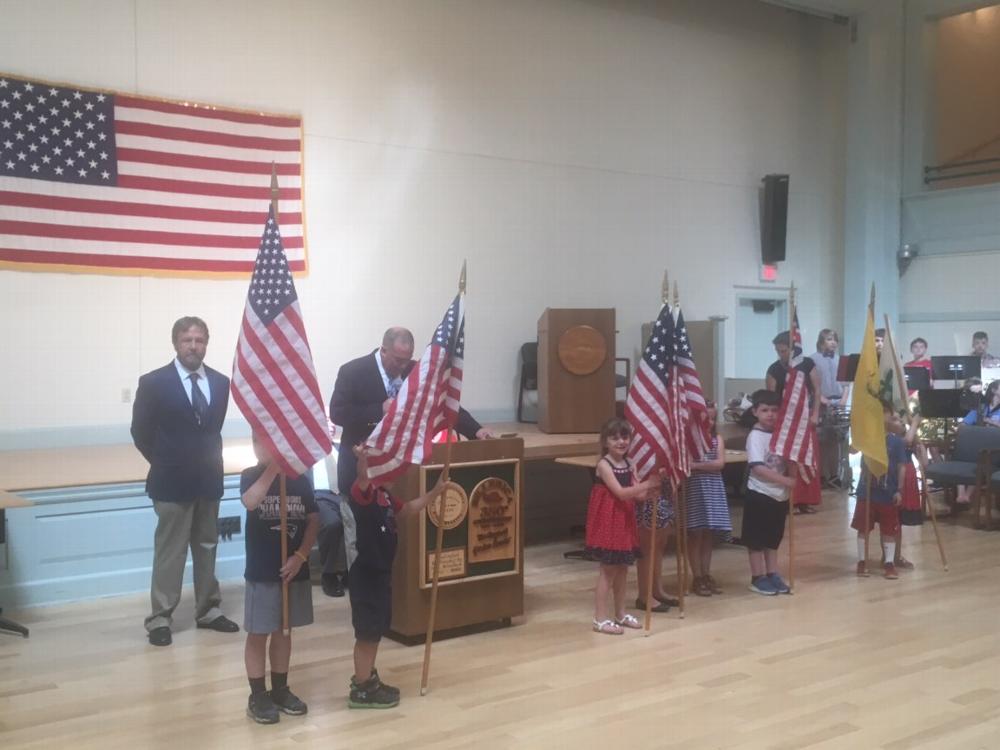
[(221, 623), (160, 636), (333, 586)]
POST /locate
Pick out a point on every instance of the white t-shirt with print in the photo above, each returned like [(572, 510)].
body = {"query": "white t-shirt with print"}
[(759, 453)]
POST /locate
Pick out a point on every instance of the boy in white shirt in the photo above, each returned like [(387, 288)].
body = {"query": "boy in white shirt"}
[(766, 503)]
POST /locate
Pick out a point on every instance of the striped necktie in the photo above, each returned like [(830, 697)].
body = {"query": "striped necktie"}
[(198, 400)]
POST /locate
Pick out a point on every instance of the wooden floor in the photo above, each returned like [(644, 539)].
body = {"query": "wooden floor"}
[(843, 663)]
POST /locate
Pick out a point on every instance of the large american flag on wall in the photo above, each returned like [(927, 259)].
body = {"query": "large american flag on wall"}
[(109, 182)]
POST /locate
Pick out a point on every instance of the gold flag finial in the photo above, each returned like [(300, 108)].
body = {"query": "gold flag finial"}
[(677, 295), (461, 279), (665, 289), (871, 300), (274, 190)]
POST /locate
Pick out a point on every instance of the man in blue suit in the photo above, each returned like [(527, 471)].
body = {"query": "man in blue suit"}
[(177, 425), (364, 389)]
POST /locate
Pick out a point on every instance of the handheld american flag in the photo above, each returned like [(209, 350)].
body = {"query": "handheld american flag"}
[(665, 404), (274, 381), (651, 406), (794, 438), (692, 397), (795, 339), (426, 404)]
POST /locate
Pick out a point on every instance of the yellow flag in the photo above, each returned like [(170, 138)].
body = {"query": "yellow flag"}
[(867, 425)]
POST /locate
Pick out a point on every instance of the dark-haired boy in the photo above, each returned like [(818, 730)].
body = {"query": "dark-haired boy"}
[(370, 580), (265, 575), (766, 504)]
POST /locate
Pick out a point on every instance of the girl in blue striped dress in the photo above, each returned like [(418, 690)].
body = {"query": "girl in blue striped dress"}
[(707, 508)]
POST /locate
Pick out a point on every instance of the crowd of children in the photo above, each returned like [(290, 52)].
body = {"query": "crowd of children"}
[(622, 512)]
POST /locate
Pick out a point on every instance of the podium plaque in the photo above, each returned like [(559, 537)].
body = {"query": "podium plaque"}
[(482, 578)]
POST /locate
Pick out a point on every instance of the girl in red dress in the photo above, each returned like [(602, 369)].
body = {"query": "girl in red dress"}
[(612, 536)]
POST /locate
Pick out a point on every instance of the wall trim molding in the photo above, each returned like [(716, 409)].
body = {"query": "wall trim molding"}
[(949, 317)]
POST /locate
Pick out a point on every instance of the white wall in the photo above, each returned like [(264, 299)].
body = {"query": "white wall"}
[(946, 298), (569, 149)]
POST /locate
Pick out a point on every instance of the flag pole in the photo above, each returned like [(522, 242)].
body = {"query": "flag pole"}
[(665, 298), (900, 378), (933, 514), (282, 491), (438, 542), (868, 499), (791, 493), (680, 514), (925, 501), (868, 517)]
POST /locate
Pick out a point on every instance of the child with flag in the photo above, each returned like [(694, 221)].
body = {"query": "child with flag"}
[(869, 416), (265, 574), (879, 499), (807, 493), (370, 579), (766, 504)]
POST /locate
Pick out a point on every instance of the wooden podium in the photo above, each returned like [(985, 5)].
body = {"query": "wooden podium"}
[(576, 369), (482, 565)]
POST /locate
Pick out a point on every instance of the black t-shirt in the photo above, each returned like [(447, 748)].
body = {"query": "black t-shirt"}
[(779, 372), (263, 530), (375, 525)]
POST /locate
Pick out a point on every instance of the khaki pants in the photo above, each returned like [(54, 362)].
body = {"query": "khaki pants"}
[(179, 526)]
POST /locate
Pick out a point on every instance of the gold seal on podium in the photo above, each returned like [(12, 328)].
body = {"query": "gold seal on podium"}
[(456, 506)]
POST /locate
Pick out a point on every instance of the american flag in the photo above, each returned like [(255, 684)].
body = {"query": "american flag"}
[(101, 181), (652, 406), (794, 439), (692, 400), (427, 402), (795, 337), (665, 402), (274, 382)]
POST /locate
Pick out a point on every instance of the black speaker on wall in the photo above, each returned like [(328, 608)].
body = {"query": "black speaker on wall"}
[(774, 223)]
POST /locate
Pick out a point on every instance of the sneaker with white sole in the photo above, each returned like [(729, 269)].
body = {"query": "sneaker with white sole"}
[(764, 586), (779, 583)]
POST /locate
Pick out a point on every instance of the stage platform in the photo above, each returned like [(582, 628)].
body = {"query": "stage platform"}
[(79, 466), (88, 530)]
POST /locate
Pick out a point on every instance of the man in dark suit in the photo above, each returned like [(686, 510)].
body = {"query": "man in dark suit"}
[(177, 425), (361, 396)]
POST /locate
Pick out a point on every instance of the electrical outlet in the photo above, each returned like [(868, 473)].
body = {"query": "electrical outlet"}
[(228, 526), (126, 395)]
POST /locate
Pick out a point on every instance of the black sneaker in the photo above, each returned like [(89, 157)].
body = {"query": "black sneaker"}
[(288, 702), (372, 694), (333, 586), (390, 688), (261, 709)]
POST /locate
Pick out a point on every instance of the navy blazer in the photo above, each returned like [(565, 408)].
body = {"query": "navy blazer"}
[(356, 405), (185, 458)]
